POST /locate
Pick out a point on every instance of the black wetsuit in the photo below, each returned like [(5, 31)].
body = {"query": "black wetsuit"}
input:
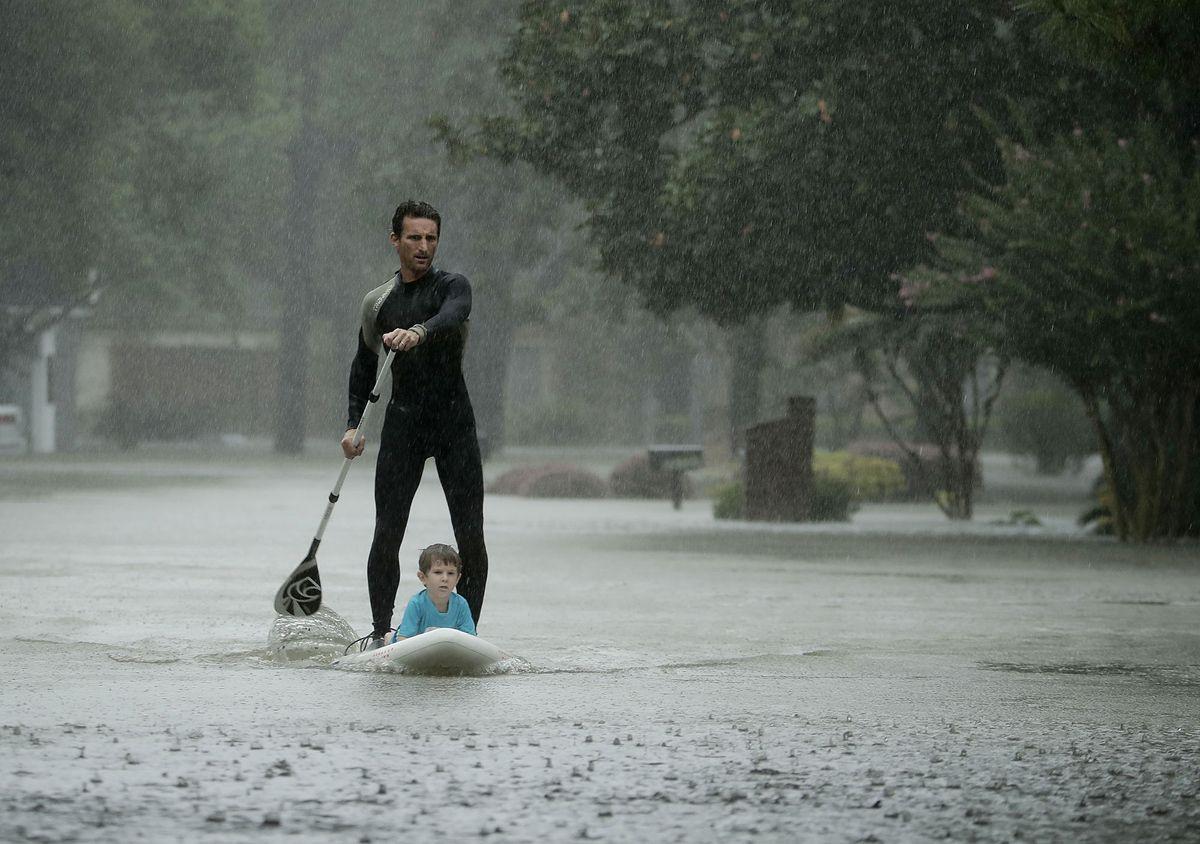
[(429, 415)]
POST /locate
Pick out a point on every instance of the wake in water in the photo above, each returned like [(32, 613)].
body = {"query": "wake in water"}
[(317, 640)]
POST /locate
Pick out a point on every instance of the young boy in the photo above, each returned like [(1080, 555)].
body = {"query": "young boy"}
[(437, 605)]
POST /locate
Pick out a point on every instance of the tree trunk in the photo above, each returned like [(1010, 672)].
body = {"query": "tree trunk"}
[(748, 354), (295, 310), (1147, 443), (489, 348), (307, 158), (952, 394)]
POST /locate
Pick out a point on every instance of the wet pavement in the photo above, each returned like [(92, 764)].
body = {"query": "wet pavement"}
[(897, 678)]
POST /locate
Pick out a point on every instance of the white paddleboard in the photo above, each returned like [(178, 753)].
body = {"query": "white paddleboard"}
[(442, 650)]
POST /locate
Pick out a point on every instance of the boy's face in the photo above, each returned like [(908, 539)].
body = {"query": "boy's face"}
[(440, 580)]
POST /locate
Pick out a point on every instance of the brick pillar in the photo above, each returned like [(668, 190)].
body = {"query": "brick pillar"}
[(779, 464)]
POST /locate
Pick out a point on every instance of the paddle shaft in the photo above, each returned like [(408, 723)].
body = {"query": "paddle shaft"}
[(358, 438)]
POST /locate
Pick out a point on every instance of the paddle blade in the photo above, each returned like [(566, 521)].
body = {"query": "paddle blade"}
[(300, 594)]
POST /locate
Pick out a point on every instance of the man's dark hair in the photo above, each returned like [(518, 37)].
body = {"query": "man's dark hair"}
[(413, 208)]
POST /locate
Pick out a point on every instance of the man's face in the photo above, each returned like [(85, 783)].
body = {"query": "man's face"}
[(440, 580), (416, 245)]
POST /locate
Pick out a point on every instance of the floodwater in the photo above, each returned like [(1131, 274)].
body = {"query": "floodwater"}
[(679, 679)]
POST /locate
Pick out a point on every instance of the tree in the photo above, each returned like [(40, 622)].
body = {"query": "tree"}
[(305, 35), (345, 107), (1144, 43), (1042, 419), (104, 146), (1086, 260), (941, 368), (1084, 257), (736, 156)]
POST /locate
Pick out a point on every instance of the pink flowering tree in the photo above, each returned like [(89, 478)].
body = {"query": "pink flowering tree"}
[(1085, 260)]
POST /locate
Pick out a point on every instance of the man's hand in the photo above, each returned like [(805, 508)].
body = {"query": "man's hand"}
[(349, 448), (401, 339)]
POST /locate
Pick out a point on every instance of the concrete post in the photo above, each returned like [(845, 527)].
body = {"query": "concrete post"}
[(41, 404)]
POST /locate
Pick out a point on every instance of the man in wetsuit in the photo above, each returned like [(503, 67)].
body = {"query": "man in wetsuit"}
[(421, 313)]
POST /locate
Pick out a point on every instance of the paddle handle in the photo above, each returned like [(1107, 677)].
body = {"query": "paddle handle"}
[(358, 438)]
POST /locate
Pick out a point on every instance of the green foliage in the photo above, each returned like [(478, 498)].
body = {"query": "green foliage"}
[(353, 90), (113, 115), (1086, 256), (1049, 425), (729, 501), (1019, 518), (1085, 261), (236, 163), (938, 366), (83, 77), (869, 478), (1141, 40), (919, 462), (738, 155), (833, 499), (732, 157)]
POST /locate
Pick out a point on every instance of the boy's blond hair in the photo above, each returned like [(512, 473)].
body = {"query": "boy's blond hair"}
[(438, 553)]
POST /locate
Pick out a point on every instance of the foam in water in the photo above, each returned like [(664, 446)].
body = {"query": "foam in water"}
[(317, 638)]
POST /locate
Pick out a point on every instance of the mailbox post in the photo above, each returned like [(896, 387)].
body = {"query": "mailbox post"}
[(676, 459)]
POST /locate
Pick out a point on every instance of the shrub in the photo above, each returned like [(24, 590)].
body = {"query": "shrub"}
[(1048, 425), (635, 479), (555, 480), (512, 481), (832, 499), (920, 476), (729, 501), (870, 478)]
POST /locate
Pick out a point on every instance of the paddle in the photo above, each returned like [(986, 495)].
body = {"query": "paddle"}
[(300, 594)]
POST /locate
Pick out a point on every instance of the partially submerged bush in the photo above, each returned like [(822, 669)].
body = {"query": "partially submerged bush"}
[(1048, 425), (870, 478), (921, 473), (555, 480), (832, 500), (729, 501), (635, 479)]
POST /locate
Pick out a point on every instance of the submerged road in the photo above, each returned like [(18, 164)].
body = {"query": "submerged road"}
[(898, 678)]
